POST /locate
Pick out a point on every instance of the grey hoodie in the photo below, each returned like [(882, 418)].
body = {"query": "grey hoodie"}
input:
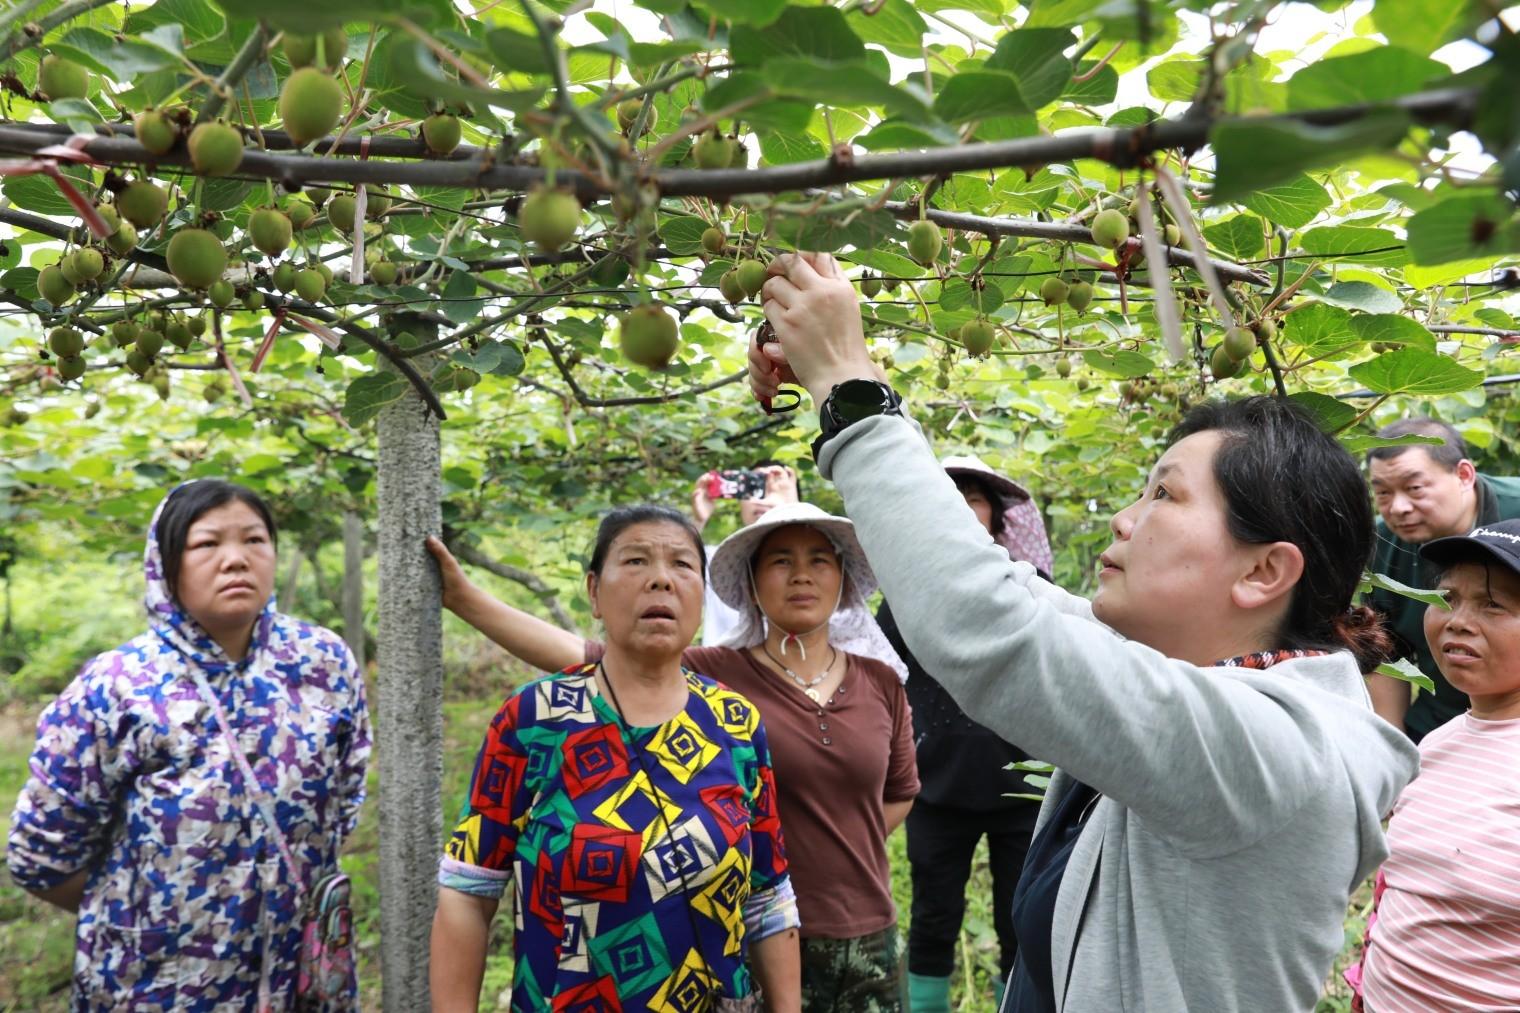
[(1239, 807)]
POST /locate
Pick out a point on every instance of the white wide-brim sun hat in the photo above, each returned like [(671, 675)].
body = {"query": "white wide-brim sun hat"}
[(728, 570), (973, 466)]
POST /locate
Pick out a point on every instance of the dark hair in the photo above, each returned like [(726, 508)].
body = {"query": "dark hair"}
[(188, 504), (1285, 480), (620, 519), (999, 506), (1451, 452)]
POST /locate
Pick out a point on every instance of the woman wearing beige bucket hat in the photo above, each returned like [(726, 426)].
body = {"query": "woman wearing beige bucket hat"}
[(827, 683)]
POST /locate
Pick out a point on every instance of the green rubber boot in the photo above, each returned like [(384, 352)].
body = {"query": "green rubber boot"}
[(928, 995)]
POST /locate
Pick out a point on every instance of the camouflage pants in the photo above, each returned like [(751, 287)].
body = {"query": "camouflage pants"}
[(859, 975)]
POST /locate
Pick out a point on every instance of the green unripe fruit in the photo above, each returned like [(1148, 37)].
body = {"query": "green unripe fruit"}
[(548, 218), (108, 215), (149, 343), (310, 105), (54, 286), (376, 204), (178, 332), (1110, 228), (1078, 295), (383, 272), (870, 286), (253, 299), (301, 50), (270, 231), (216, 149), (1054, 291), (66, 265), (465, 378), (738, 157), (978, 336), (160, 381), (1172, 234), (441, 133), (751, 275), (310, 285), (648, 336), (728, 284), (123, 333), (712, 151), (285, 276), (325, 271), (318, 194), (714, 240), (139, 362), (1239, 343), (155, 131), (59, 78), (925, 242), (1222, 365), (142, 203), (300, 214), (628, 114), (70, 368), (65, 342), (221, 293), (214, 391), (1083, 383), (123, 240), (88, 263), (1063, 368), (196, 326), (1264, 329), (196, 257), (340, 213)]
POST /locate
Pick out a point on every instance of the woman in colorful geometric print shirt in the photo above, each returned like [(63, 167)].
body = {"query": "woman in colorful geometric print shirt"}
[(136, 815), (631, 806)]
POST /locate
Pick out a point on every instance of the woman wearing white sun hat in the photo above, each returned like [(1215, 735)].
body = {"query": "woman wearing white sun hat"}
[(829, 688)]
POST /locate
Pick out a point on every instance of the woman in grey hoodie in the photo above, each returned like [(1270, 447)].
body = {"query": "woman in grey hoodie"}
[(1222, 776)]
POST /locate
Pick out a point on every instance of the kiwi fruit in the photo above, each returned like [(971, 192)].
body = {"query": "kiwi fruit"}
[(728, 284), (751, 274), (155, 131), (58, 78), (648, 336), (310, 285), (216, 149), (714, 240), (142, 203), (70, 368), (301, 50), (548, 218), (978, 336), (382, 272), (221, 293), (310, 105), (123, 239), (54, 285), (196, 257), (285, 276), (1054, 291), (441, 133), (65, 342), (924, 242), (270, 231), (1110, 228), (1239, 343), (1078, 295), (341, 211)]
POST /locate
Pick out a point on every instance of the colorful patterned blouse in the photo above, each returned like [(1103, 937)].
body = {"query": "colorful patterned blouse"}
[(632, 864), (133, 780)]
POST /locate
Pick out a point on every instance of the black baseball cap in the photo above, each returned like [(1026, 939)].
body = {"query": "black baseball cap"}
[(1499, 543)]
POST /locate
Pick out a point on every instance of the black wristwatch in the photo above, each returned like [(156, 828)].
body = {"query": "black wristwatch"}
[(851, 401)]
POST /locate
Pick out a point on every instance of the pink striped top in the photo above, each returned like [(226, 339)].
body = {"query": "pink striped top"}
[(1447, 935)]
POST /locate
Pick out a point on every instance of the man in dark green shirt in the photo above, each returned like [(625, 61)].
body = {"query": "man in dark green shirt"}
[(1423, 493)]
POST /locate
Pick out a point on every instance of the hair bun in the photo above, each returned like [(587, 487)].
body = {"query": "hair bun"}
[(1362, 631)]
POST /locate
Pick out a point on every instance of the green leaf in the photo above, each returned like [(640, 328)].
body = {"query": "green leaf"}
[(1390, 328), (894, 24), (122, 60), (1330, 414), (522, 52), (309, 18), (1354, 244), (501, 358), (1036, 57), (1362, 295), (1462, 228), (841, 84), (458, 302), (224, 194), (1238, 238), (1403, 670), (1425, 25), (1121, 363), (367, 395), (1175, 80), (1319, 328), (784, 149), (39, 194), (1099, 87), (1414, 371), (683, 235), (199, 20), (959, 294), (815, 33), (416, 69), (1383, 582), (750, 12), (978, 94), (1292, 204), (1368, 77), (1252, 156), (897, 135), (1358, 445), (831, 232)]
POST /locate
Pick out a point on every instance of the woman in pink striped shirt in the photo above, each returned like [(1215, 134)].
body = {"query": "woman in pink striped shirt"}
[(1446, 935)]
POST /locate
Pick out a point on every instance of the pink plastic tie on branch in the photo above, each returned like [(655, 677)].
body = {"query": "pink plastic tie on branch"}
[(268, 342), (45, 161), (237, 378), (325, 335)]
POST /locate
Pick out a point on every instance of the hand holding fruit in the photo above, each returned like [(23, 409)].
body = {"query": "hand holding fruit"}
[(816, 315)]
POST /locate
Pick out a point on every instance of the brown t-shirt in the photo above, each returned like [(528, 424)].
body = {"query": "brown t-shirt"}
[(836, 763)]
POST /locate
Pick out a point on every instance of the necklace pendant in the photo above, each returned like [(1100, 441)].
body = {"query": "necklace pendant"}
[(812, 694)]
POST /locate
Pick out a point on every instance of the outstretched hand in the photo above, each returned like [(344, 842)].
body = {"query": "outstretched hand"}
[(456, 586), (816, 315)]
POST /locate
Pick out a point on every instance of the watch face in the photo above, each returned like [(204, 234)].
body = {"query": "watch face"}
[(859, 399)]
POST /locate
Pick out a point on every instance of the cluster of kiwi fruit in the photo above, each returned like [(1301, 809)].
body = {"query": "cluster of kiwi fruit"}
[(1229, 357)]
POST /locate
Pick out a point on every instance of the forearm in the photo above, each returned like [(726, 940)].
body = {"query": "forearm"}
[(895, 813), (776, 962), (67, 894), (540, 644), (461, 930), (1390, 698)]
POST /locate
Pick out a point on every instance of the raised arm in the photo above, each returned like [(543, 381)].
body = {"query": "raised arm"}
[(534, 641)]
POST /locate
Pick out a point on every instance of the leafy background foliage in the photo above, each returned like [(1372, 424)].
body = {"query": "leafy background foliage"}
[(1381, 245)]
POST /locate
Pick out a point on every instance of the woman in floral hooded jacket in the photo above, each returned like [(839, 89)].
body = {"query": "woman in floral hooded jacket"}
[(136, 814)]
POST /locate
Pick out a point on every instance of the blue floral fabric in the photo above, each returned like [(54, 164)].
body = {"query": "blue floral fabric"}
[(132, 780)]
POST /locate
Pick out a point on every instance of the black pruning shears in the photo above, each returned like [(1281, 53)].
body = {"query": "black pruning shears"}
[(787, 400)]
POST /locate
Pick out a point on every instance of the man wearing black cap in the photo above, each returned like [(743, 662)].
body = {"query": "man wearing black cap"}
[(1424, 493)]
